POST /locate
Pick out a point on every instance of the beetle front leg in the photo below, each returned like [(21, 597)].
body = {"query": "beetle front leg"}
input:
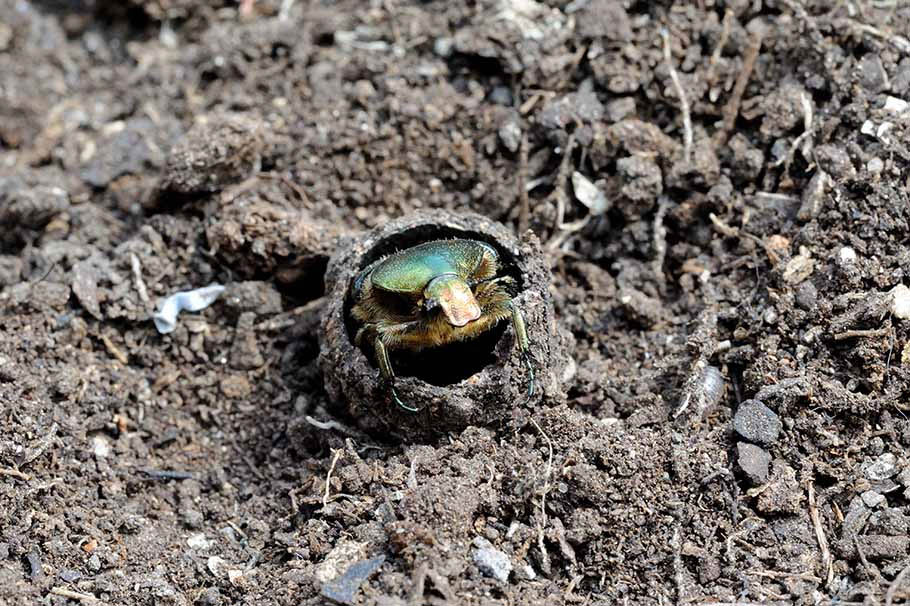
[(524, 344), (388, 375)]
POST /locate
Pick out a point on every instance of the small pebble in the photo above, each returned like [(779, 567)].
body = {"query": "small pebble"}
[(875, 166), (881, 468), (895, 105), (491, 561), (756, 422), (903, 478), (589, 194), (872, 498), (34, 564), (900, 303), (345, 588), (846, 256), (94, 563), (754, 461), (68, 575), (510, 135), (501, 95)]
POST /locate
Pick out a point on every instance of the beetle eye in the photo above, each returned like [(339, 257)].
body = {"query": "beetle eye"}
[(430, 304)]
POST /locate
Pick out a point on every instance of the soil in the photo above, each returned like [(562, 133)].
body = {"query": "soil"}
[(719, 189)]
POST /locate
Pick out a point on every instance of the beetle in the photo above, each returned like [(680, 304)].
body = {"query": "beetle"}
[(432, 294)]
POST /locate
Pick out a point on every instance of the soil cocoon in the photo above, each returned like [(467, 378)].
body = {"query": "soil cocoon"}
[(475, 382)]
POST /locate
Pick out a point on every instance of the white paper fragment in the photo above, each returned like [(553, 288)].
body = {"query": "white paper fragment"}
[(589, 194), (900, 304), (186, 300)]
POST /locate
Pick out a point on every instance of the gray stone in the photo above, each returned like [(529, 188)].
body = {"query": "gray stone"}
[(756, 422), (903, 478), (94, 563), (754, 462), (510, 134), (491, 561), (872, 498), (872, 74), (68, 575), (881, 468), (344, 589)]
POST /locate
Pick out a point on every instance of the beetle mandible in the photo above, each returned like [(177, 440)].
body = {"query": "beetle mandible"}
[(432, 294)]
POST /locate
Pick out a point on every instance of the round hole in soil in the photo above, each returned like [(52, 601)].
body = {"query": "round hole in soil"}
[(454, 362)]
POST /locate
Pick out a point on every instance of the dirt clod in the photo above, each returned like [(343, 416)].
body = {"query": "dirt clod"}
[(756, 422)]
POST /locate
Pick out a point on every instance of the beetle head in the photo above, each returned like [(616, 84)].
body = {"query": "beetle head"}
[(454, 296)]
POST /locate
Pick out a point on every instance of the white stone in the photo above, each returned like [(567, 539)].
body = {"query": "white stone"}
[(895, 105), (846, 256), (100, 447), (900, 303), (589, 194)]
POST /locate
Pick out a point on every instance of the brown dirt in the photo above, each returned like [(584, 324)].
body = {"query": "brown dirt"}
[(152, 146)]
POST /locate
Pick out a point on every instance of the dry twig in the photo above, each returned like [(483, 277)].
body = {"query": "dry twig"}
[(14, 473), (660, 241), (75, 595), (328, 477), (820, 533), (731, 109), (137, 279), (872, 332), (545, 558), (683, 100)]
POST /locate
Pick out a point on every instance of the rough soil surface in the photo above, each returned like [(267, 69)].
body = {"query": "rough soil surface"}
[(720, 190)]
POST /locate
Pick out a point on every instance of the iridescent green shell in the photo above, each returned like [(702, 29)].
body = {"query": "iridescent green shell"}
[(409, 271)]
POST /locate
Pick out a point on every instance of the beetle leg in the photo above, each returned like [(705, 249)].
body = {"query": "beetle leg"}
[(385, 369), (524, 344)]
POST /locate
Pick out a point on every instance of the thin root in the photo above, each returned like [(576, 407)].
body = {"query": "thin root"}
[(683, 100)]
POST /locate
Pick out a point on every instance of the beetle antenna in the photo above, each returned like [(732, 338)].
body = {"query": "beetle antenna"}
[(399, 402)]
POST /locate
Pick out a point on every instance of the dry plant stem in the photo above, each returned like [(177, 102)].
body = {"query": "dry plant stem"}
[(114, 350), (328, 477), (559, 194), (683, 100), (543, 495), (892, 589), (138, 281), (559, 191), (719, 49), (731, 109), (678, 568), (660, 242), (804, 137), (852, 334), (14, 473), (872, 572), (524, 210), (820, 533), (75, 595), (899, 42), (734, 232)]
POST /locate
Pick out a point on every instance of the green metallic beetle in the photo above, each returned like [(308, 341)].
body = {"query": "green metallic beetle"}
[(430, 295)]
